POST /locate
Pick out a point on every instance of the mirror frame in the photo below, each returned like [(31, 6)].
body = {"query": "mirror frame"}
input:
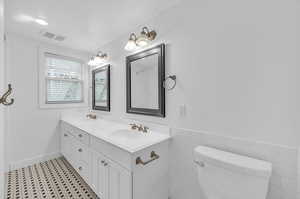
[(97, 70), (160, 112)]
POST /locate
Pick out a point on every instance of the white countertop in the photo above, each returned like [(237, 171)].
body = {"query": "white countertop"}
[(117, 134)]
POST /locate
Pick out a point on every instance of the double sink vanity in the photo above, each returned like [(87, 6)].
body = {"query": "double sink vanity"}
[(118, 160), (123, 160)]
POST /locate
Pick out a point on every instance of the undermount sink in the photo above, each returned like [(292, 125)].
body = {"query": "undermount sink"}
[(129, 134)]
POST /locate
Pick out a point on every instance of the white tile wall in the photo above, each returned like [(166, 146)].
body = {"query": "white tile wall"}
[(183, 176), (298, 174)]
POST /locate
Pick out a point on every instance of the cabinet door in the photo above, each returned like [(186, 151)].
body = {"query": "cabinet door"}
[(120, 182), (80, 151), (83, 169), (65, 145), (101, 180)]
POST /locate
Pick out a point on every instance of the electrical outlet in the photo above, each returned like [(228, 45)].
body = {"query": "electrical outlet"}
[(182, 110)]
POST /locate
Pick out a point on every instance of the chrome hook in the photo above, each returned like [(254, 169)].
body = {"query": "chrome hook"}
[(3, 99)]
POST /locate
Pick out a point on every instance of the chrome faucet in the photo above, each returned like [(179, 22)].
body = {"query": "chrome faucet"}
[(140, 127), (134, 126), (145, 129), (91, 116)]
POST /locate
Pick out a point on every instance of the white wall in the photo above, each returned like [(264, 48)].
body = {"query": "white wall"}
[(236, 65), (32, 132), (2, 88), (237, 69)]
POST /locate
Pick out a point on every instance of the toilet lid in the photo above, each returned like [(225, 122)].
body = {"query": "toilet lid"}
[(233, 161)]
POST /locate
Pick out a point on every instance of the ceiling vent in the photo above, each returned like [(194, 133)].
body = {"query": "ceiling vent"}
[(59, 38), (50, 35)]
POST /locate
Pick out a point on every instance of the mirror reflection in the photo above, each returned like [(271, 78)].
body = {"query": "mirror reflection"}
[(144, 82), (101, 84), (145, 72)]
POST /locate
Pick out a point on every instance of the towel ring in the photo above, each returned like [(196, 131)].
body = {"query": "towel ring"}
[(173, 78)]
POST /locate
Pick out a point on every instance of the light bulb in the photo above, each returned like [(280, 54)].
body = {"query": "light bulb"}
[(142, 43), (98, 60), (41, 22), (142, 40), (91, 62), (131, 45)]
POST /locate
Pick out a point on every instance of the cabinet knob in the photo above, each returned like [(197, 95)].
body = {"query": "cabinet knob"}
[(80, 150), (104, 163), (80, 168), (80, 135)]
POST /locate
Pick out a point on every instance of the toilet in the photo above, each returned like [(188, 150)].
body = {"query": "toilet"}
[(224, 175)]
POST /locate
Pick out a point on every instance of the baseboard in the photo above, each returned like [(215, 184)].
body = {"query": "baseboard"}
[(28, 162), (2, 185)]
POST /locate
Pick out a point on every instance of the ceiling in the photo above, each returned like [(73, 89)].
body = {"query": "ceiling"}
[(87, 24)]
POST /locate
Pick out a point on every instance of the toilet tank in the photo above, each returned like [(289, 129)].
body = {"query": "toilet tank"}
[(224, 175)]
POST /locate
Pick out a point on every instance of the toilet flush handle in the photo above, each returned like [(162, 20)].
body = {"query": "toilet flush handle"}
[(201, 164)]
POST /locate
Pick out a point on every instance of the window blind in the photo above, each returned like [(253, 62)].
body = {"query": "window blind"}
[(63, 80)]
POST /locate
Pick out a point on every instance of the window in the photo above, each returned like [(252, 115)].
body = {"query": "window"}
[(61, 80)]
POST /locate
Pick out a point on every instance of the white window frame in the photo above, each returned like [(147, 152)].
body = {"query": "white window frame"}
[(64, 54)]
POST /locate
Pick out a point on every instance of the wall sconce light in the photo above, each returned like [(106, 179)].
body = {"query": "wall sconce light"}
[(98, 59), (142, 40), (145, 37), (131, 44)]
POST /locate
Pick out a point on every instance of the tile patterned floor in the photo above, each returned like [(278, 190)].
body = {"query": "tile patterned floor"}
[(51, 179)]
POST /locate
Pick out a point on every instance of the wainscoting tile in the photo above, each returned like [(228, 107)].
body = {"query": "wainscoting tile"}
[(184, 183)]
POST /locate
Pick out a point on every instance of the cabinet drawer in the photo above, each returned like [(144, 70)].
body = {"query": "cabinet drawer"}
[(80, 151), (82, 136), (65, 143), (67, 128), (118, 155), (77, 133)]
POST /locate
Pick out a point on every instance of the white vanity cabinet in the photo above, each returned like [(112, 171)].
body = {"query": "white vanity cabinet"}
[(111, 171), (77, 154), (110, 179)]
